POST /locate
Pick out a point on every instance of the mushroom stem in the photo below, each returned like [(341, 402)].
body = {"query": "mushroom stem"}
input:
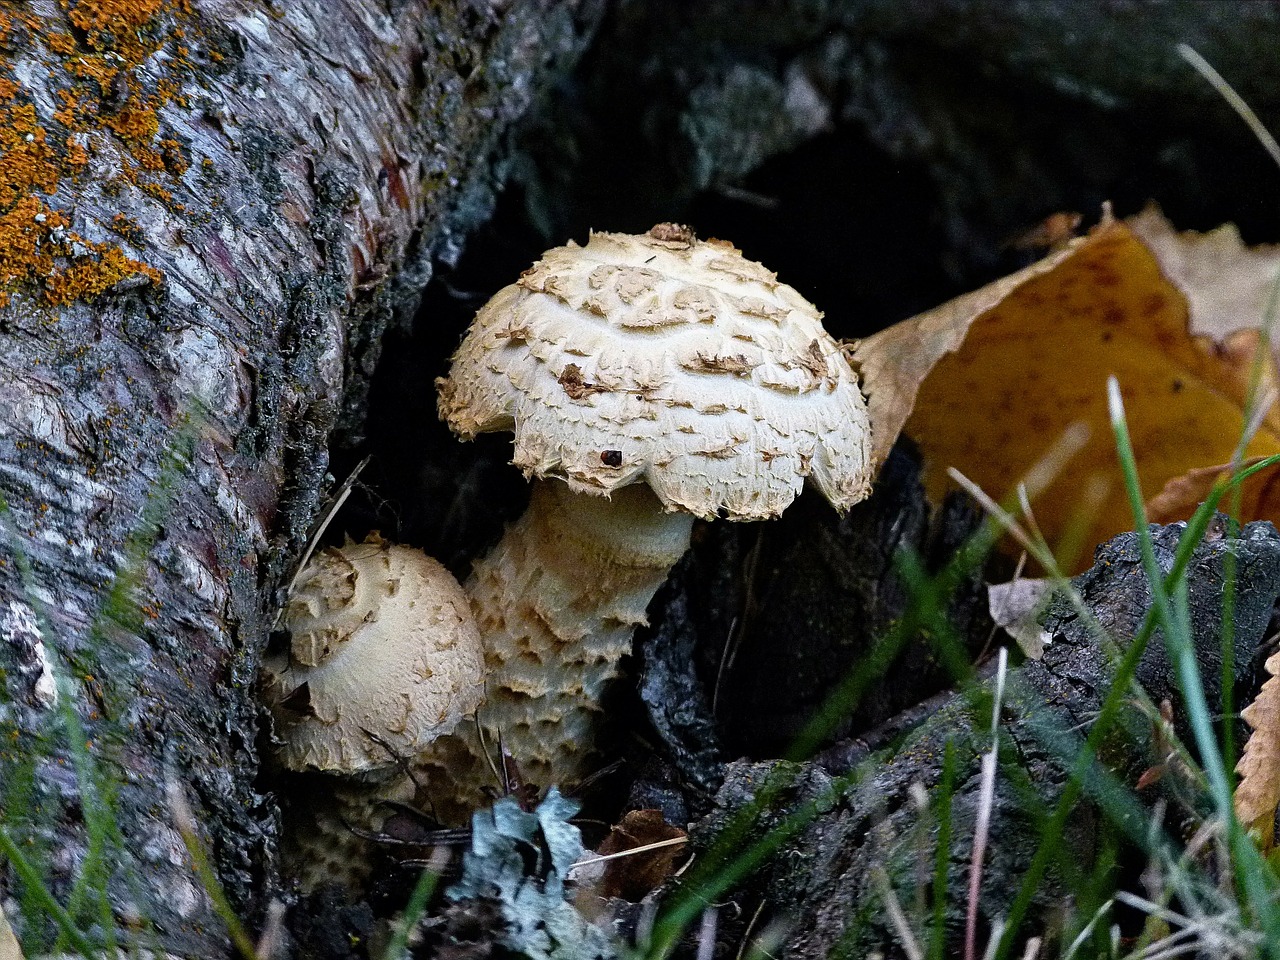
[(557, 602)]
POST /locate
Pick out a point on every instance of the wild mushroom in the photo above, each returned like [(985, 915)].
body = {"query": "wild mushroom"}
[(384, 660), (659, 378)]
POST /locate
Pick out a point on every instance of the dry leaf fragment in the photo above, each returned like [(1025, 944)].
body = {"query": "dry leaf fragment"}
[(1164, 743), (632, 877), (1258, 792), (1180, 496), (1227, 284), (1050, 233), (985, 382), (1016, 607)]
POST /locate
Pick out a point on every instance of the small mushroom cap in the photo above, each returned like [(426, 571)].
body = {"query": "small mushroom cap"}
[(667, 359), (384, 657)]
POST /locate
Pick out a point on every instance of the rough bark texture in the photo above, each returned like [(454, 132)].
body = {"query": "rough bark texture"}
[(822, 881), (165, 411)]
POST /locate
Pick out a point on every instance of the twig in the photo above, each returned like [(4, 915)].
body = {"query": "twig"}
[(339, 498), (746, 936), (707, 933), (630, 852)]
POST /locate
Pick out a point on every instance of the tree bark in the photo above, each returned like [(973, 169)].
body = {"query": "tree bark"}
[(209, 212)]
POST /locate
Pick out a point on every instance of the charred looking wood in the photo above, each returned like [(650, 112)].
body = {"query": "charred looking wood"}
[(843, 756), (759, 626), (821, 878)]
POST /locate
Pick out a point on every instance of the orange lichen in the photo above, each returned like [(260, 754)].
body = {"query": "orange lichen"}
[(112, 74), (113, 23), (62, 44), (24, 231), (174, 161), (86, 279), (128, 228), (149, 160), (77, 156), (140, 124)]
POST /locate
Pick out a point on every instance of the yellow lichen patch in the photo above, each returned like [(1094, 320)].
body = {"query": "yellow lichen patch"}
[(27, 162), (87, 278), (128, 228), (112, 65), (113, 24), (24, 229)]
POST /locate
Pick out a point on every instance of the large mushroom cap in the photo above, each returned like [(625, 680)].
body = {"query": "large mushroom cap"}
[(384, 658), (667, 359)]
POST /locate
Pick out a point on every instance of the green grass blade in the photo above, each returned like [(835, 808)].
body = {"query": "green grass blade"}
[(1170, 604), (185, 823), (398, 948), (1115, 698), (942, 857), (33, 883)]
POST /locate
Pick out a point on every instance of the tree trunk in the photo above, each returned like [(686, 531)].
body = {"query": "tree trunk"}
[(209, 212)]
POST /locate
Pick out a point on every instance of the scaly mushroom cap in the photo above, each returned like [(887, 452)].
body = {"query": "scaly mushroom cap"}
[(384, 656), (667, 359)]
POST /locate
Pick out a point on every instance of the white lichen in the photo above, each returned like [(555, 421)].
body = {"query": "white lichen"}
[(20, 629)]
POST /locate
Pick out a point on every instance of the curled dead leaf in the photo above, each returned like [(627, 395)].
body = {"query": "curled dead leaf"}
[(1180, 496), (1016, 607), (986, 382), (1258, 792), (632, 877)]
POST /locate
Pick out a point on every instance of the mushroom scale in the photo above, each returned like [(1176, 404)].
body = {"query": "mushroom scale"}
[(649, 379)]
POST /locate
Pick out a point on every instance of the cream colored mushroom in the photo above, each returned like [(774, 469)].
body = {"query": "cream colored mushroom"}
[(384, 661), (384, 657), (658, 378)]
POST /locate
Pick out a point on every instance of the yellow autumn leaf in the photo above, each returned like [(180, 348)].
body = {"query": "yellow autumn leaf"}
[(1005, 370)]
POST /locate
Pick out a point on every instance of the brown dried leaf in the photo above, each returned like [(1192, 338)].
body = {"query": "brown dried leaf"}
[(1181, 495), (632, 877), (1258, 792), (985, 383)]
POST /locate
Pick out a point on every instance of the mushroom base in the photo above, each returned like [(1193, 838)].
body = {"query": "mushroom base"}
[(557, 602)]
